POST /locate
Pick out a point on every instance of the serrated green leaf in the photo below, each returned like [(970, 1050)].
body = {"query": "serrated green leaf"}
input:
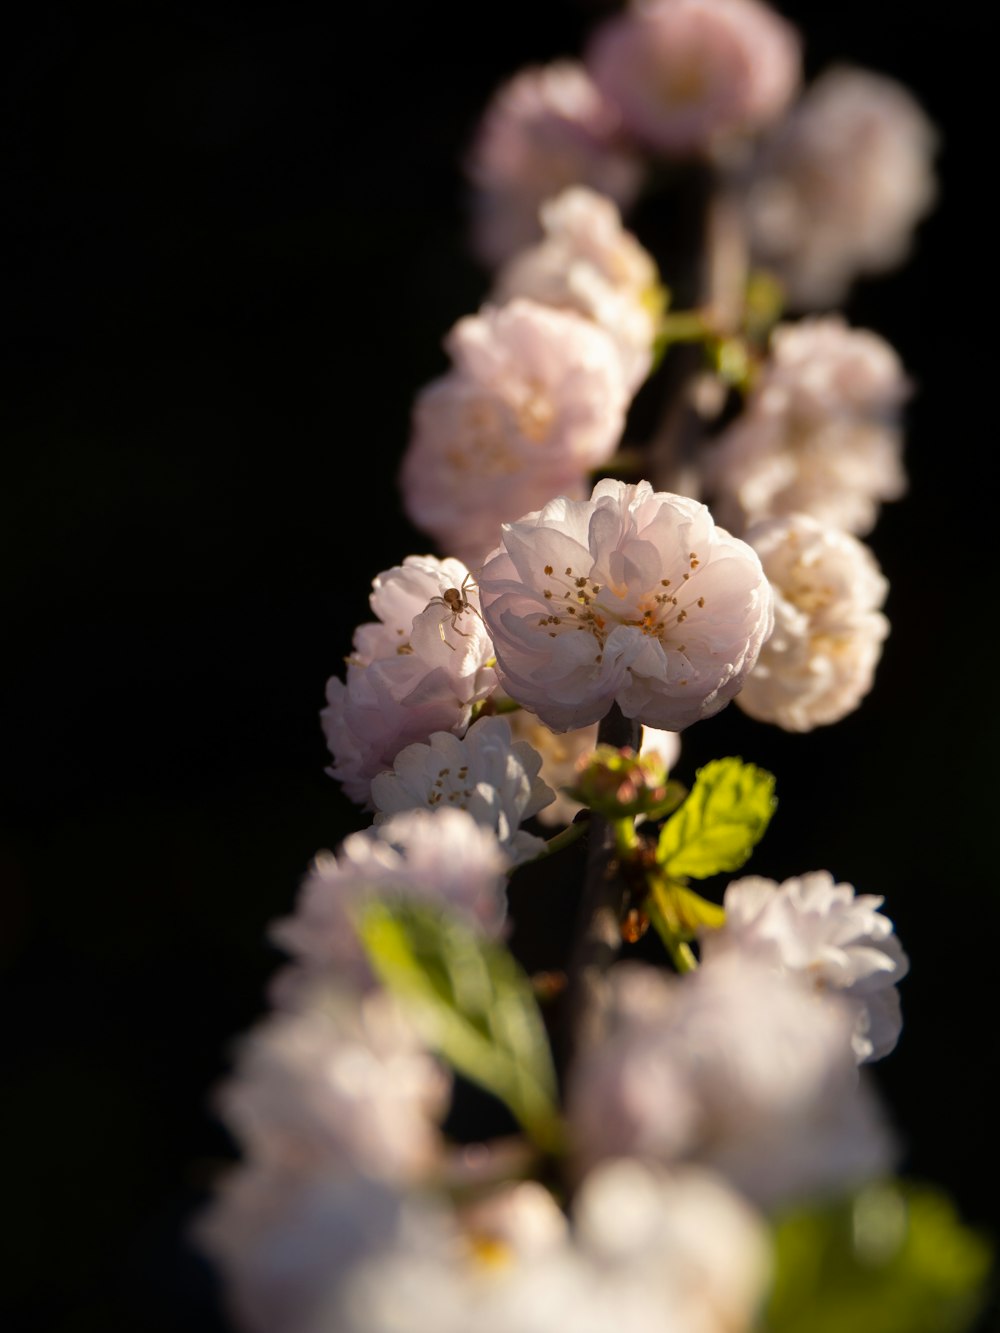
[(473, 1004), (895, 1258), (724, 817)]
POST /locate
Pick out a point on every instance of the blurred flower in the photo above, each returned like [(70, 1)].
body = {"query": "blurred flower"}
[(838, 187), (632, 597), (589, 263), (681, 1238), (820, 432), (543, 129), (418, 669), (820, 659), (535, 400), (443, 857), (644, 1250), (281, 1240), (687, 74), (343, 1080), (735, 1067), (487, 773), (827, 936)]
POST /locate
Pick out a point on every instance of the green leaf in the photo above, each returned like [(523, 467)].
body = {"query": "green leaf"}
[(724, 817), (682, 911), (895, 1258), (472, 1003)]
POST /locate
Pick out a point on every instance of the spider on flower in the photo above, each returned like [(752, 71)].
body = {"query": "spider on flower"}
[(457, 602)]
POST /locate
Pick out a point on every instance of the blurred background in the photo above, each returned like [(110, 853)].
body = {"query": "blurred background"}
[(234, 235)]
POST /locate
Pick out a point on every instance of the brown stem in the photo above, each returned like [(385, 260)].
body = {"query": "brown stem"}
[(597, 939), (713, 273)]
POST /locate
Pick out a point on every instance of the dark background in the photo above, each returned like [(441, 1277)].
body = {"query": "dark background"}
[(233, 238)]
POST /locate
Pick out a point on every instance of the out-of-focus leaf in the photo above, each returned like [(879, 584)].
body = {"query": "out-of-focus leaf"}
[(895, 1258), (473, 1004)]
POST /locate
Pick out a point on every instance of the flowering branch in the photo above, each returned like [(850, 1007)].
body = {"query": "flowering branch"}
[(541, 675)]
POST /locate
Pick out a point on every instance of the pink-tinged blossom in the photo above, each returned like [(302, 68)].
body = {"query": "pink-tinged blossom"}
[(443, 858), (632, 597), (689, 75), (828, 937), (588, 262), (561, 752), (838, 188), (536, 400), (735, 1067), (343, 1081), (546, 128), (486, 772), (820, 433), (820, 660), (419, 668)]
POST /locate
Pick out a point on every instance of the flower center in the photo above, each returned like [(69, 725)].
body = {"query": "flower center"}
[(445, 790), (578, 604), (535, 413)]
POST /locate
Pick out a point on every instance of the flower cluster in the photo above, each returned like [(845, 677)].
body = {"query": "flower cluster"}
[(419, 668), (833, 176), (663, 1068)]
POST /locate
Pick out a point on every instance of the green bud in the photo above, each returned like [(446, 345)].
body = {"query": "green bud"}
[(620, 784)]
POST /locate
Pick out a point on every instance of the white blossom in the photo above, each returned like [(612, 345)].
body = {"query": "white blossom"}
[(545, 128), (735, 1067), (829, 937), (419, 668), (687, 74), (839, 185), (535, 400), (342, 1081), (443, 858), (687, 1242), (486, 772), (632, 597), (588, 262), (644, 1251), (561, 752), (820, 432), (820, 660)]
